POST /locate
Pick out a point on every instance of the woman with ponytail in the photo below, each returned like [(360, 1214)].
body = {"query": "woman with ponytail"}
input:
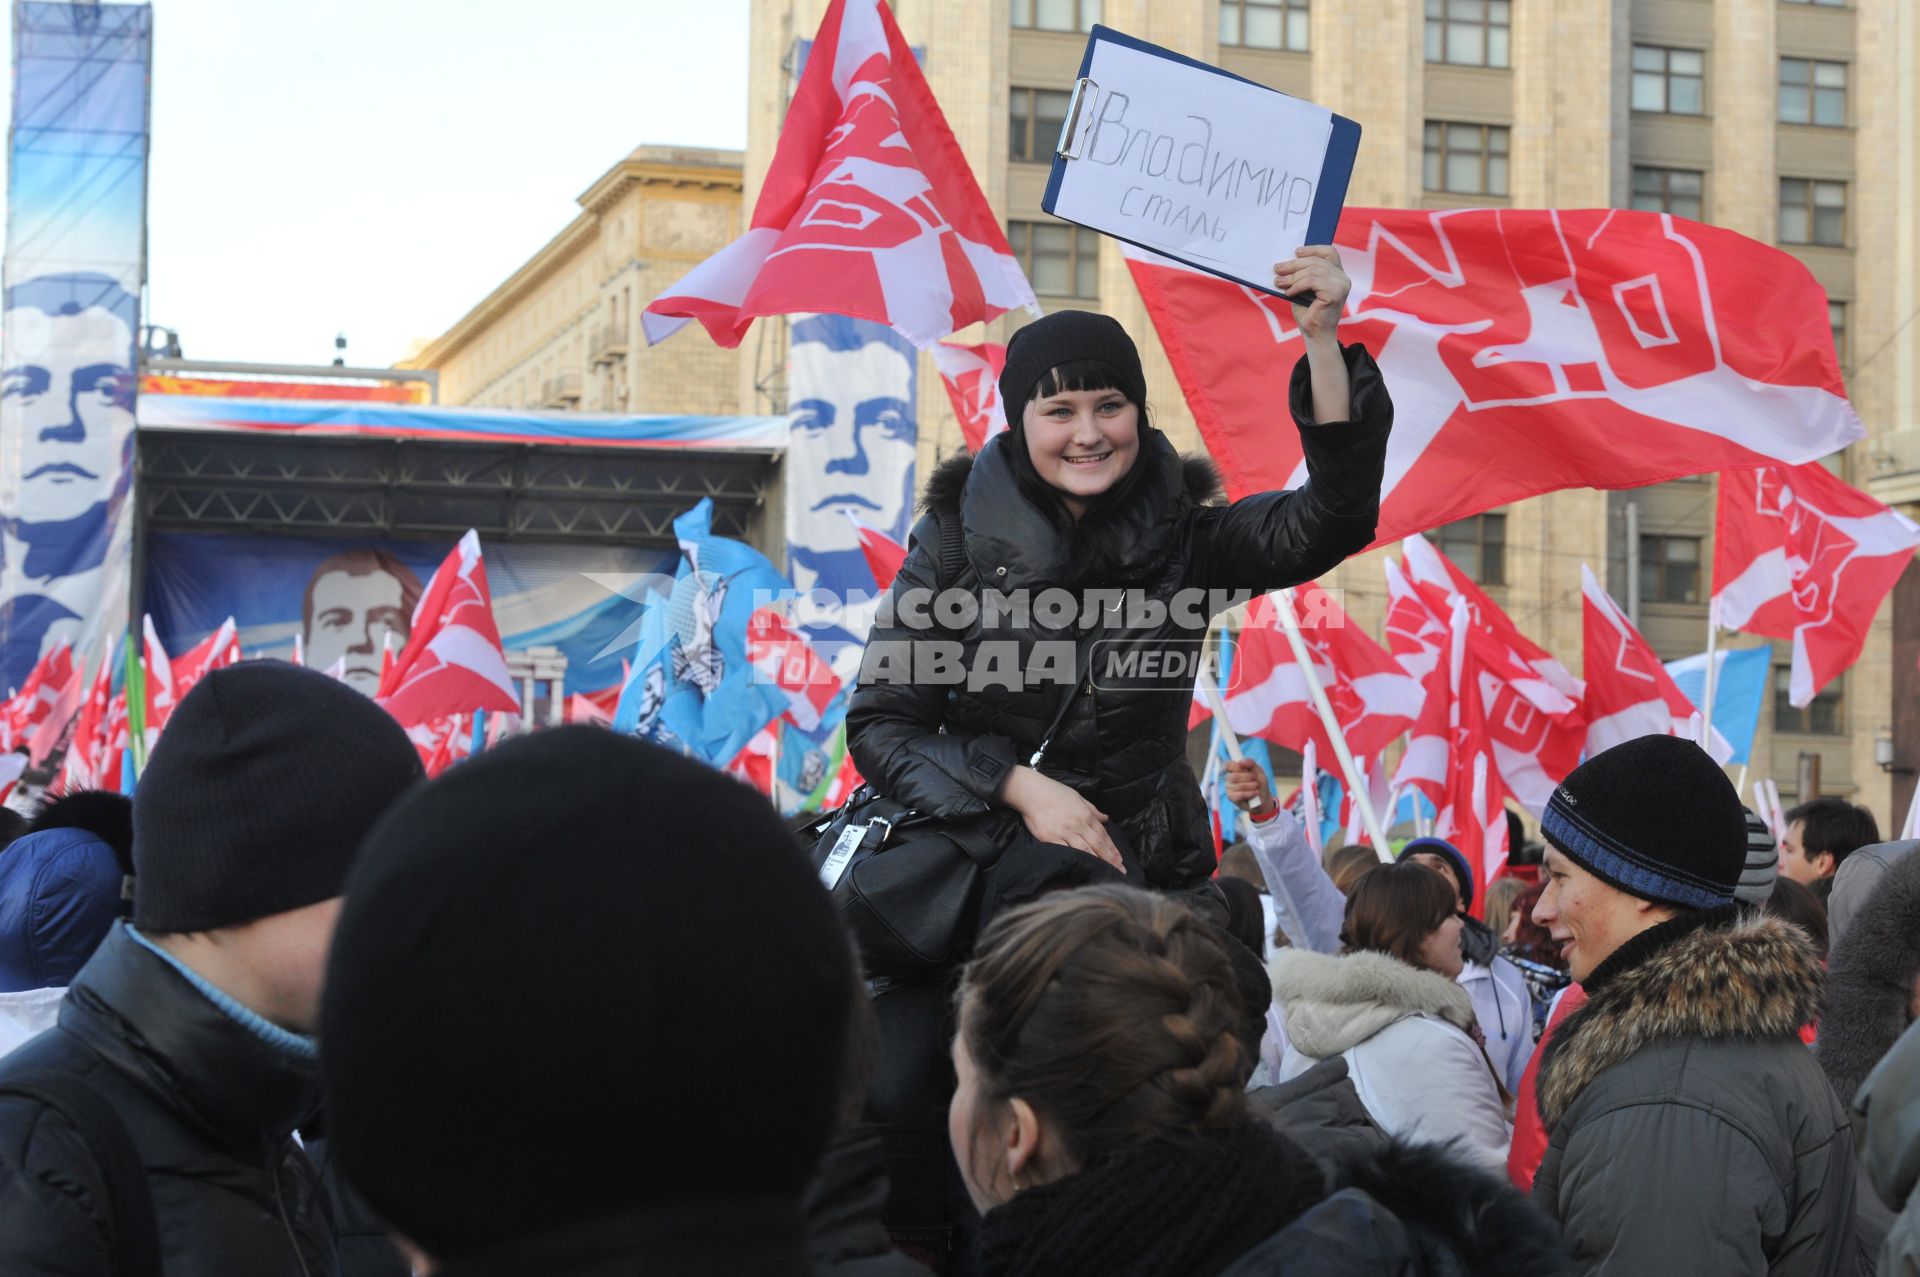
[(1101, 1125)]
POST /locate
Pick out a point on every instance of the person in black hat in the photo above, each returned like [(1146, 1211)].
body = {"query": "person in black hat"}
[(194, 1022), (1079, 550), (586, 1013), (1691, 1132)]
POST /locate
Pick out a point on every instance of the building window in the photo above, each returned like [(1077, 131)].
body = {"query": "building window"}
[(1668, 190), (1035, 123), (1825, 715), (1813, 92), (1471, 33), (1669, 569), (1478, 546), (1668, 80), (1056, 15), (1813, 212), (1264, 24), (1837, 318), (1467, 159), (1060, 261)]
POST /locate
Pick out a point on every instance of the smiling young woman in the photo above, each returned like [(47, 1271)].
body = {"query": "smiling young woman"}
[(1033, 679)]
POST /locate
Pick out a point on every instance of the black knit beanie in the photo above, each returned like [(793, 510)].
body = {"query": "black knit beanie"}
[(1062, 338), (257, 795), (577, 976), (1655, 817)]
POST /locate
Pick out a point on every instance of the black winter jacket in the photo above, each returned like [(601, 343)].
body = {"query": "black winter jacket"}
[(945, 749), (211, 1108)]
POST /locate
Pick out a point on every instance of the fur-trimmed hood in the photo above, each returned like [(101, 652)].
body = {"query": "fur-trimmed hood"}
[(1335, 1002), (941, 492), (1870, 978), (1753, 977)]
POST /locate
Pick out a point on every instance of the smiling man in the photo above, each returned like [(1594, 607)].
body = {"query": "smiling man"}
[(1691, 1131), (66, 425)]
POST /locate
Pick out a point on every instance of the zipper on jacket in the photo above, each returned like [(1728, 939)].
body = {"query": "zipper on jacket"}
[(280, 1205)]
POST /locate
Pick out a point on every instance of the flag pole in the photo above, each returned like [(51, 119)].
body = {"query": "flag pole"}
[(1713, 681), (1355, 783), (1913, 814)]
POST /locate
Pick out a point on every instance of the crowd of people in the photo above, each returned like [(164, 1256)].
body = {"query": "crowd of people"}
[(582, 1006)]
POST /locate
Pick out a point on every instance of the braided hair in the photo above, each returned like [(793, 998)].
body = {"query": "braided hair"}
[(1112, 1012)]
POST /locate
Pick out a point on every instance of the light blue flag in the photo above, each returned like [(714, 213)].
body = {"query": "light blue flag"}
[(692, 687), (1737, 696)]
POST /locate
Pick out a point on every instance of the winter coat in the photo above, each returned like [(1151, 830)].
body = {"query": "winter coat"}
[(845, 1235), (1856, 882), (1393, 1207), (1889, 1109), (946, 749), (1405, 1035), (59, 893), (692, 1238), (1870, 975), (210, 1104), (1690, 1132)]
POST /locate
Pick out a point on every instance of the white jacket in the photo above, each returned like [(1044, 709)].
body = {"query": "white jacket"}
[(1404, 1035), (1504, 1008), (27, 1013)]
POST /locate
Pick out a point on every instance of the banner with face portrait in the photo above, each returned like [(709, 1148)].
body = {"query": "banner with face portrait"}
[(851, 389), (76, 230), (343, 598)]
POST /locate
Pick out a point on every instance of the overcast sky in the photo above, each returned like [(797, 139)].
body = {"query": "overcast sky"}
[(377, 166)]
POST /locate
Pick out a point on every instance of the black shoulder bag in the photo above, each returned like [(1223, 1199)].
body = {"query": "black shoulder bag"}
[(907, 884)]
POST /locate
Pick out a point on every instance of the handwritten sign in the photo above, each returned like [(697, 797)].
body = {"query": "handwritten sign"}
[(1196, 163)]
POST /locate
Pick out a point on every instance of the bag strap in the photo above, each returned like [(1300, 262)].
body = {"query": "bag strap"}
[(129, 1204)]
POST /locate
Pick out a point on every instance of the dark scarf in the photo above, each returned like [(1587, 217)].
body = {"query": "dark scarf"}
[(1188, 1206)]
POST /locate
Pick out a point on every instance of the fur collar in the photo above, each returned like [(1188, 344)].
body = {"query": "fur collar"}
[(942, 489), (1753, 977), (1335, 1002)]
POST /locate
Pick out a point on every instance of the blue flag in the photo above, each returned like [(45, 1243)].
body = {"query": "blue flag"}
[(692, 687), (1739, 694)]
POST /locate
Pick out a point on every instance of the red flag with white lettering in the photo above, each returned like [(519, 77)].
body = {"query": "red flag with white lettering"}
[(1629, 692), (28, 708), (971, 375), (453, 662), (1526, 350), (1799, 554), (782, 655), (216, 651), (869, 208), (1472, 805), (1374, 700)]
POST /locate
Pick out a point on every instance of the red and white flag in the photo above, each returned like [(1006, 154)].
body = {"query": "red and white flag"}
[(1417, 638), (1530, 702), (453, 662), (69, 700), (869, 208), (884, 555), (158, 668), (782, 656), (1472, 805), (1629, 692), (1526, 350), (971, 375), (87, 751), (1798, 554), (216, 651), (22, 715), (441, 742), (1374, 700)]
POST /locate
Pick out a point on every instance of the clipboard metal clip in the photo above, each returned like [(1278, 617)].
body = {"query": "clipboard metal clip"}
[(1084, 92)]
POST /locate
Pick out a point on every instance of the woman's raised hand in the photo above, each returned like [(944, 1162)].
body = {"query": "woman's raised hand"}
[(1056, 813), (1314, 269)]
